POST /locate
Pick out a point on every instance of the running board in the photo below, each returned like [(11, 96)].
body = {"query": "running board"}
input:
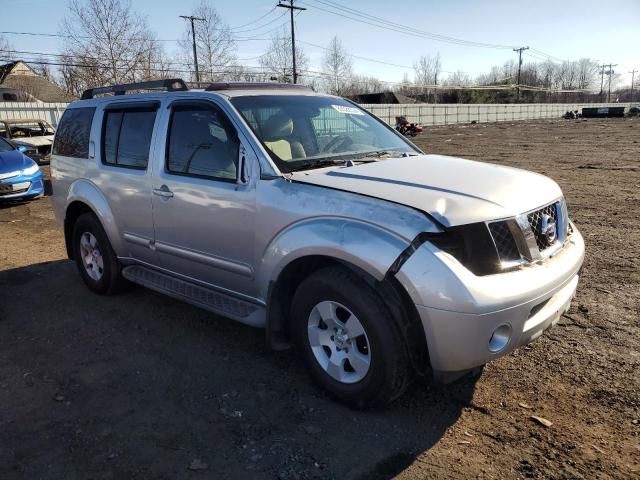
[(206, 298)]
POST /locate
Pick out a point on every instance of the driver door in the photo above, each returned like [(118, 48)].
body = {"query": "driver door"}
[(203, 211)]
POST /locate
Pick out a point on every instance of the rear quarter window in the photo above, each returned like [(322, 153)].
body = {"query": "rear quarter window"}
[(127, 136), (74, 130)]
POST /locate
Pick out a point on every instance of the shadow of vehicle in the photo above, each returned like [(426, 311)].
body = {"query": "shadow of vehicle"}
[(140, 385)]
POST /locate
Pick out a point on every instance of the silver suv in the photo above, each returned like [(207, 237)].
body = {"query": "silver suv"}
[(305, 215)]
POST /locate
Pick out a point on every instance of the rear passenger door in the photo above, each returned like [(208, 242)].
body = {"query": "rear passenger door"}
[(125, 173), (204, 213)]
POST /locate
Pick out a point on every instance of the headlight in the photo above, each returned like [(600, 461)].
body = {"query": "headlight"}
[(472, 246), (33, 169)]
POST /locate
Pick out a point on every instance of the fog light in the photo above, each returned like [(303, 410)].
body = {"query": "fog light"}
[(500, 338)]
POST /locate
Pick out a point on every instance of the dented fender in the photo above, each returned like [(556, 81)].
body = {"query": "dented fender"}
[(362, 231)]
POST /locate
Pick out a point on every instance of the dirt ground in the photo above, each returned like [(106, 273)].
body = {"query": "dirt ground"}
[(143, 386)]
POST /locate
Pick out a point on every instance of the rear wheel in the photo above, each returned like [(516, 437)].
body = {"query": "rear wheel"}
[(95, 259), (349, 338)]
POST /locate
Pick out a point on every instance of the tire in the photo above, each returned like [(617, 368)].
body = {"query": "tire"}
[(102, 273), (322, 313)]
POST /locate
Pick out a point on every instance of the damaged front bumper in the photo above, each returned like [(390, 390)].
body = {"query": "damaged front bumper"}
[(470, 320)]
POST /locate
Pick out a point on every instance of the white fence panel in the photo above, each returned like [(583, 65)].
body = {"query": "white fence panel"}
[(427, 114), (51, 112), (453, 113)]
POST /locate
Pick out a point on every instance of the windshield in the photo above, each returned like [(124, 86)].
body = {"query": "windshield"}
[(304, 131), (5, 146)]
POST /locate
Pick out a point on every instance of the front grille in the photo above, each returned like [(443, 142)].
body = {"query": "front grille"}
[(536, 221), (505, 243)]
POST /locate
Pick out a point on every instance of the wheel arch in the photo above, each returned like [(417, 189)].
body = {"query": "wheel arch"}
[(392, 293), (85, 197)]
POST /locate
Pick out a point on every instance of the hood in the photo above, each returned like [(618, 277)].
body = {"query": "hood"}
[(13, 161), (33, 141), (453, 190)]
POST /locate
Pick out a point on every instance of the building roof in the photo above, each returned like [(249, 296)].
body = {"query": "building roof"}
[(20, 76)]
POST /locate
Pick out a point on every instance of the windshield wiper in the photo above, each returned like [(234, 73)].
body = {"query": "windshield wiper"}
[(378, 154), (350, 160), (326, 162)]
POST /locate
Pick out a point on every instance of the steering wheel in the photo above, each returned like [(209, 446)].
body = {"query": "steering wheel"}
[(337, 142)]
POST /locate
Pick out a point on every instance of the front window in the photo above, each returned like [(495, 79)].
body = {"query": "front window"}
[(304, 131)]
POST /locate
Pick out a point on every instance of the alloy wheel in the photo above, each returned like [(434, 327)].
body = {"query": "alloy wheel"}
[(91, 256), (339, 342)]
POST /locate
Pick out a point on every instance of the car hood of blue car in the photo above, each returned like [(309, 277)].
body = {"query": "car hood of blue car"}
[(13, 161)]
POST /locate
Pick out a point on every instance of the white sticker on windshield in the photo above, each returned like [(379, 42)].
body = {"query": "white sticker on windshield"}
[(348, 110)]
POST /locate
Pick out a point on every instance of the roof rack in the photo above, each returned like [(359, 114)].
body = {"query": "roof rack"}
[(253, 86), (170, 85)]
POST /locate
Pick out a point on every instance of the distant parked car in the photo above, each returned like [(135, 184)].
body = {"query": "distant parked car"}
[(20, 177), (36, 135)]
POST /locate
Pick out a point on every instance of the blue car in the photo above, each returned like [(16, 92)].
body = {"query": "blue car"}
[(20, 177)]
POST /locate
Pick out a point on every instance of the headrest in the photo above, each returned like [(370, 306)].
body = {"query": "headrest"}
[(277, 126)]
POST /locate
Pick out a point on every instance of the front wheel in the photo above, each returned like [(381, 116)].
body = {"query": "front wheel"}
[(349, 338), (95, 259)]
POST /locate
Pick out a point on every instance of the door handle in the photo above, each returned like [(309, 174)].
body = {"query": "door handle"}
[(163, 191)]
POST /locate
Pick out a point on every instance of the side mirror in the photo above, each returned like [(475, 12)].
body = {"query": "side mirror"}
[(22, 148)]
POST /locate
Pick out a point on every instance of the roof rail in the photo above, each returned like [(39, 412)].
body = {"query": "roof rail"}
[(170, 85), (253, 86)]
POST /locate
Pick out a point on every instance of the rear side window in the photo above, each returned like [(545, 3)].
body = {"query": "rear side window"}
[(72, 136), (127, 137)]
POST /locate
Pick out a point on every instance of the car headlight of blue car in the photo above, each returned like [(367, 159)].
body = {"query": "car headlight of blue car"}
[(32, 170)]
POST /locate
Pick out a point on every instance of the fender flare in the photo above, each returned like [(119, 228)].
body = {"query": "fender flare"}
[(367, 246), (88, 193)]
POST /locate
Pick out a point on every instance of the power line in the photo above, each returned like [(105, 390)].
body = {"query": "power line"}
[(58, 35), (92, 57), (633, 75), (261, 26), (254, 21), (362, 17)]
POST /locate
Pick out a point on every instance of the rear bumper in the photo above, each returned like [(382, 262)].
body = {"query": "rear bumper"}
[(460, 312)]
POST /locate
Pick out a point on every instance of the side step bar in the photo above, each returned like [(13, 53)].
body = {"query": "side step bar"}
[(206, 298)]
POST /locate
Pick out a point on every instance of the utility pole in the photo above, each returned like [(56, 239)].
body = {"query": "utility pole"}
[(193, 39), (435, 90), (633, 75), (610, 72), (601, 82), (291, 8), (519, 50)]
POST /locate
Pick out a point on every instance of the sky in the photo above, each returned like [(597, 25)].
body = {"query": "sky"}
[(606, 31)]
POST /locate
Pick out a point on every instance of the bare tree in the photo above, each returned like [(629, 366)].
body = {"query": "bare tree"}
[(458, 79), (406, 86), (338, 67), (426, 72), (214, 42), (240, 73), (587, 70), (278, 59), (106, 42)]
